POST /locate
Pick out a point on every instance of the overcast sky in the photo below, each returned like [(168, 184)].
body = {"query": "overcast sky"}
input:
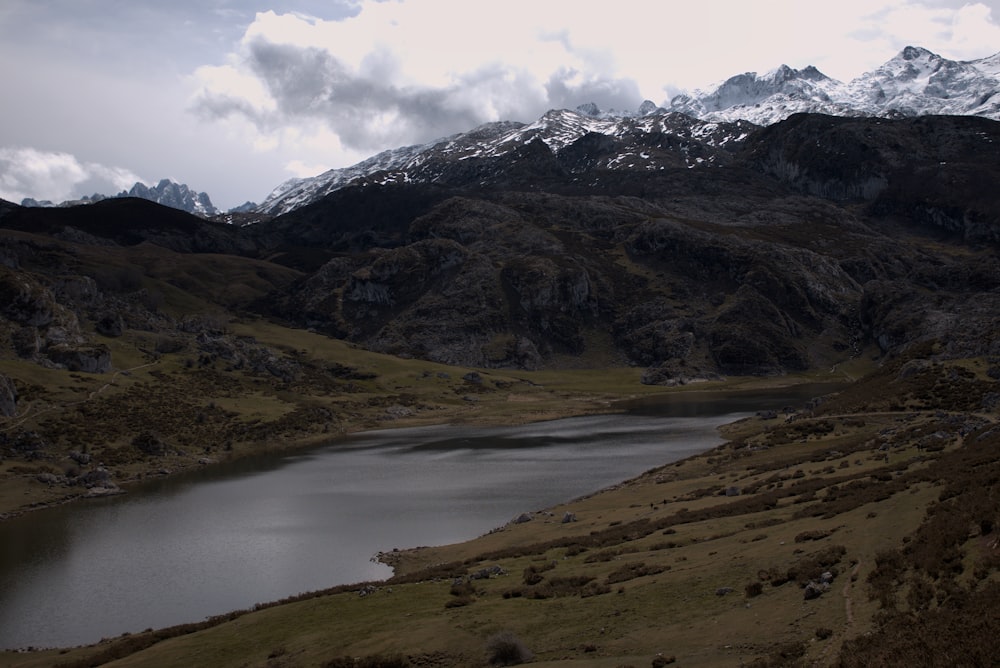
[(233, 97)]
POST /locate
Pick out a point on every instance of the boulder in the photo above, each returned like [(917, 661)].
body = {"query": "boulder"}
[(814, 590), (99, 477), (85, 358), (81, 458)]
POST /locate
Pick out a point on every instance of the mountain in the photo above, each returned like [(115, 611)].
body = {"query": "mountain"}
[(706, 126), (174, 195), (915, 82), (166, 192), (657, 140)]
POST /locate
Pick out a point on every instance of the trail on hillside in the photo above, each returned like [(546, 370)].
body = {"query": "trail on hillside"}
[(18, 420)]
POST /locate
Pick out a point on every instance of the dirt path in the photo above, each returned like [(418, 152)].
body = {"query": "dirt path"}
[(823, 658), (848, 610)]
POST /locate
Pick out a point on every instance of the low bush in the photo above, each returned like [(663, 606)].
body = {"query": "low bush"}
[(506, 649)]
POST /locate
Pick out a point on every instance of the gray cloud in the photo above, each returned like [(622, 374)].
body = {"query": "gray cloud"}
[(28, 172), (368, 112), (364, 110), (564, 91)]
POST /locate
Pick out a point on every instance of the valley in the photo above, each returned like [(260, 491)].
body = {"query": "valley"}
[(577, 269)]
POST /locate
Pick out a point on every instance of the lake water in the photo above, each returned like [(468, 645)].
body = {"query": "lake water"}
[(223, 538)]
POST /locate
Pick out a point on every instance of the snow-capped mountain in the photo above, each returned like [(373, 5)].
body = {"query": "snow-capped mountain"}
[(166, 192), (700, 127), (915, 82), (652, 139)]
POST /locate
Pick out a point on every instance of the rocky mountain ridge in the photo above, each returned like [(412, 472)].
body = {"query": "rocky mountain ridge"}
[(166, 192), (915, 82), (657, 140), (796, 247)]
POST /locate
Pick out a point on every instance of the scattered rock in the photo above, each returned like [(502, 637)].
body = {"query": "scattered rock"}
[(522, 518), (50, 479), (85, 358), (487, 573), (99, 477), (81, 458), (814, 590), (722, 591), (398, 411), (367, 590), (568, 517)]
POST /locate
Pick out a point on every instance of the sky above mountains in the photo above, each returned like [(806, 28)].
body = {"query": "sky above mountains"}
[(232, 97)]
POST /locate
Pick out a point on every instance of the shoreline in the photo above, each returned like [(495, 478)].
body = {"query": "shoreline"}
[(396, 559), (574, 405)]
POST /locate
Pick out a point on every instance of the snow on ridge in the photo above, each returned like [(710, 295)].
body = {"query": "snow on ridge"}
[(914, 82)]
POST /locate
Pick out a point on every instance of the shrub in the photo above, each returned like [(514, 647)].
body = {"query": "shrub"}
[(506, 649), (632, 571)]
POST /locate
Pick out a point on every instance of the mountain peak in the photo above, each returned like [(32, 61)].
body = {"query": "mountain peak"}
[(647, 107), (915, 53), (915, 82), (166, 192)]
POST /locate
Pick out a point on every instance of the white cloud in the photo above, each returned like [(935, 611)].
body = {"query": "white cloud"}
[(28, 172), (974, 32)]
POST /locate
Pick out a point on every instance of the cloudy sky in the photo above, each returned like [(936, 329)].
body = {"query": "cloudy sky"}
[(233, 97)]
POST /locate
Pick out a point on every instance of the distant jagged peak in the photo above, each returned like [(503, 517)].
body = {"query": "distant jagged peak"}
[(592, 110), (648, 107), (914, 82), (165, 192)]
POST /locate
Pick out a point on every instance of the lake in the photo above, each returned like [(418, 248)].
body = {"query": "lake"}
[(226, 537)]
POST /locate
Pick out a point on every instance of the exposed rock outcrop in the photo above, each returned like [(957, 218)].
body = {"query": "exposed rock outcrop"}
[(8, 397)]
